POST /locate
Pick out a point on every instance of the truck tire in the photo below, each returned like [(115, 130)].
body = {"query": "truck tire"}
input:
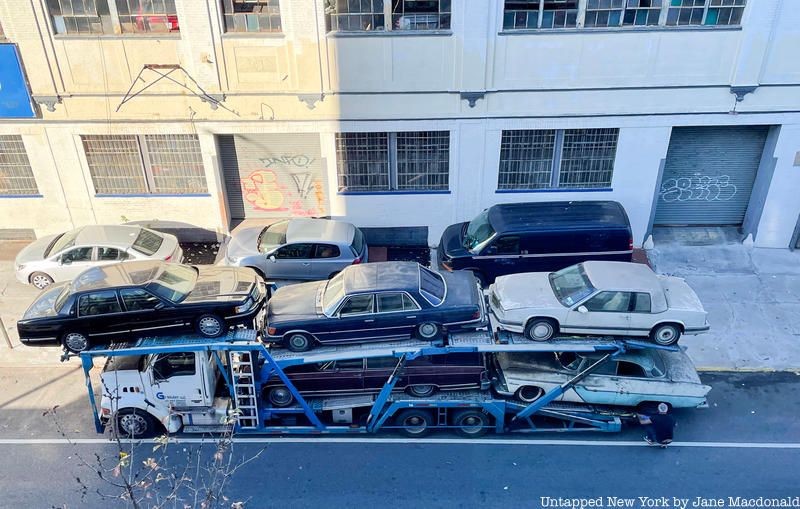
[(280, 396), (665, 334), (471, 423), (541, 329), (133, 423), (414, 423)]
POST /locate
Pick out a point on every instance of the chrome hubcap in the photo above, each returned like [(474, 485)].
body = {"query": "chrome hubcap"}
[(133, 424), (542, 331), (41, 281), (427, 330), (76, 342), (666, 335), (210, 326), (298, 341)]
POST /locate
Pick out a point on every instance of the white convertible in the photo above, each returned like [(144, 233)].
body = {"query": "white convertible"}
[(598, 298)]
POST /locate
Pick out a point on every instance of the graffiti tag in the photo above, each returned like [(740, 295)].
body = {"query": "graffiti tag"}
[(698, 188), (299, 160)]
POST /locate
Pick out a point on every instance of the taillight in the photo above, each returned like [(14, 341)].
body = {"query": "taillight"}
[(357, 261), (476, 314), (168, 258), (272, 331), (630, 244)]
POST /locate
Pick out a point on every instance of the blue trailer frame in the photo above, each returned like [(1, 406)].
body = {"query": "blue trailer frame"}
[(508, 415)]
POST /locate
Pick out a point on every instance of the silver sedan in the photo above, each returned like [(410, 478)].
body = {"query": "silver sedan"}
[(62, 257)]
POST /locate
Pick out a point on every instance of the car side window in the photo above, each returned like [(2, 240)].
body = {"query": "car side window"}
[(136, 299), (609, 302), (607, 368), (389, 302), (98, 303), (295, 251), (640, 302), (111, 254), (350, 364), (326, 251), (357, 305), (409, 304), (79, 254), (174, 364), (381, 363), (630, 369), (507, 245)]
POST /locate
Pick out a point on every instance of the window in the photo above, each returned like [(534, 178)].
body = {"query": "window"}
[(358, 242), (556, 159), (642, 12), (349, 364), (409, 161), (357, 305), (252, 15), (389, 302), (686, 12), (16, 176), (147, 242), (609, 302), (147, 16), (641, 303), (151, 164), (431, 286), (174, 364), (522, 14), (326, 251), (380, 15), (705, 12), (136, 299), (604, 13), (79, 254), (295, 251), (381, 363), (105, 254), (80, 17), (98, 303), (508, 245), (625, 368), (724, 12)]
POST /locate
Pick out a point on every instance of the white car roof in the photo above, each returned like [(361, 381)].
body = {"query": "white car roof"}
[(319, 230), (108, 235), (634, 277)]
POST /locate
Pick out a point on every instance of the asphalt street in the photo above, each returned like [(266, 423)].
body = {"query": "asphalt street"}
[(746, 444)]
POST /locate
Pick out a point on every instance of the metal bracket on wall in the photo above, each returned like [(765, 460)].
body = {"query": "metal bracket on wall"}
[(164, 72), (472, 97), (311, 100), (48, 101), (740, 92)]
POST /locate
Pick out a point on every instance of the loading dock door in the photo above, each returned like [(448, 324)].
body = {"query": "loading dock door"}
[(273, 175), (709, 174)]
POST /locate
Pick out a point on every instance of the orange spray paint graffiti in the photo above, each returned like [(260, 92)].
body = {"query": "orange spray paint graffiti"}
[(263, 192)]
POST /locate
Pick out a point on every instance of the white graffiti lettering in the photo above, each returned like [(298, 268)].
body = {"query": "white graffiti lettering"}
[(299, 160), (698, 188)]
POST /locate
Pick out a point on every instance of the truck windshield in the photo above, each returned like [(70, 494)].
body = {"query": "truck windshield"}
[(334, 293), (479, 231), (272, 236), (570, 285), (175, 282)]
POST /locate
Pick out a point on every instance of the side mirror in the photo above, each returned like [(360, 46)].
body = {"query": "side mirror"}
[(160, 305), (271, 258), (582, 309), (64, 261)]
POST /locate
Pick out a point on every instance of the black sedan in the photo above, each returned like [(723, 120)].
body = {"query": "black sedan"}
[(114, 302), (375, 302)]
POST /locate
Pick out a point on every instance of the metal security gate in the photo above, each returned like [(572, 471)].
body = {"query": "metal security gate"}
[(709, 174), (273, 175)]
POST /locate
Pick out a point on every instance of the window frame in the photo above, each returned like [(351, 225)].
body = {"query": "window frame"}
[(264, 4), (347, 300), (111, 24), (387, 17), (162, 356), (601, 292), (89, 293), (14, 158), (137, 289)]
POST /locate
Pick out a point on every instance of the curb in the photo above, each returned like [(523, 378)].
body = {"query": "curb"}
[(706, 369)]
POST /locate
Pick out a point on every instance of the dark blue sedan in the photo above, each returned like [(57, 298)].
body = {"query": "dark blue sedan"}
[(375, 302)]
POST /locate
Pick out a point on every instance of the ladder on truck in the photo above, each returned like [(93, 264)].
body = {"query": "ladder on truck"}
[(244, 388)]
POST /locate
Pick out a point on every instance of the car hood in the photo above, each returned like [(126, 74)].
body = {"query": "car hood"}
[(451, 242), (295, 302), (526, 290), (216, 283), (244, 243), (34, 251)]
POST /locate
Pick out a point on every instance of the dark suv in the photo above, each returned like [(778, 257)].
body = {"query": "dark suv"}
[(536, 237)]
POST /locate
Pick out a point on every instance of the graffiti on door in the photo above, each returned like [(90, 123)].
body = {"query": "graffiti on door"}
[(698, 188), (285, 185)]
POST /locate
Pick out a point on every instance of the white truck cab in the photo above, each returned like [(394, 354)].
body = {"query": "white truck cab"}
[(176, 389)]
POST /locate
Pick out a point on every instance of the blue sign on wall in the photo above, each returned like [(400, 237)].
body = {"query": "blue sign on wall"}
[(15, 100)]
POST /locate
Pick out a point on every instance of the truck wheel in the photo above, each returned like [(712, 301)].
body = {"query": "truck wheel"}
[(75, 342), (133, 423), (665, 334), (540, 329), (280, 396), (529, 393), (421, 391), (414, 423), (428, 331), (471, 423), (210, 326), (298, 342), (40, 280)]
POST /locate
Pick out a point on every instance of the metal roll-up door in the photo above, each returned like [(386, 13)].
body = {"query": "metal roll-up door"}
[(273, 175), (709, 174)]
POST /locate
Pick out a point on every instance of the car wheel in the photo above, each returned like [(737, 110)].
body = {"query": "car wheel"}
[(540, 329), (428, 331), (210, 326), (529, 393), (280, 396), (421, 391), (471, 423), (665, 334), (40, 280), (133, 423), (414, 423), (75, 342), (298, 342)]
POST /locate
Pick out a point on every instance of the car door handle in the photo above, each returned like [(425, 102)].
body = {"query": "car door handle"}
[(412, 316), (368, 321), (306, 264)]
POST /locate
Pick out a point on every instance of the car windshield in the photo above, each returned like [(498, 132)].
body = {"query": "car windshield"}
[(272, 236), (175, 282), (334, 293), (48, 303), (147, 243), (431, 286), (571, 284), (479, 230), (62, 242)]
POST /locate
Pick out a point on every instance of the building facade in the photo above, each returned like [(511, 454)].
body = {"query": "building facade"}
[(401, 114)]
